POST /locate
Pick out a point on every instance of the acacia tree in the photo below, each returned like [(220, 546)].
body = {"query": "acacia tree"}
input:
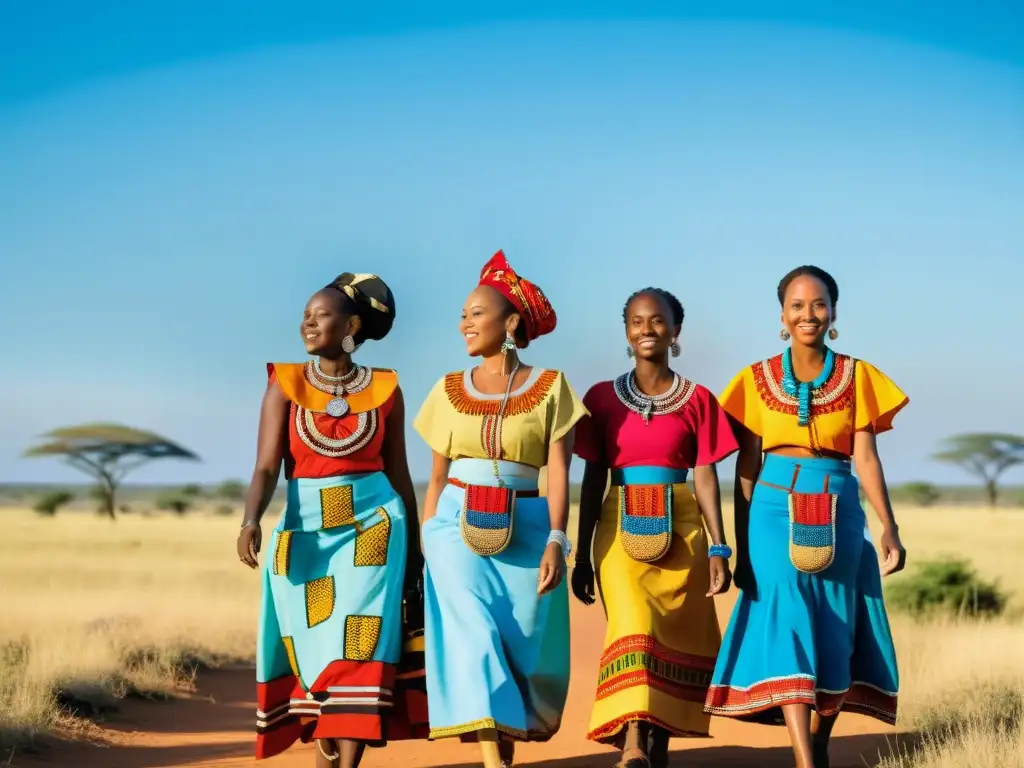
[(107, 452), (986, 455)]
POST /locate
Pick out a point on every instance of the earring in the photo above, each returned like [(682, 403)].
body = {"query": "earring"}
[(348, 345), (675, 349), (784, 334), (629, 351), (508, 344), (833, 334)]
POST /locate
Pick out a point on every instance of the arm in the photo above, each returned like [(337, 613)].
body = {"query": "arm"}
[(595, 482), (396, 467), (869, 470), (709, 498), (273, 432), (559, 456), (438, 479), (748, 466)]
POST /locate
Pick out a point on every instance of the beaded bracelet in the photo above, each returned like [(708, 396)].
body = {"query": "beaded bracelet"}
[(559, 537), (720, 550)]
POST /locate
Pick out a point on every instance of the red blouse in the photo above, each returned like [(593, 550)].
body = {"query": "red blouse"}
[(301, 460), (695, 435)]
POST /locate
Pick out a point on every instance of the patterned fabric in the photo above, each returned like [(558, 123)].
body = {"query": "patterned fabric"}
[(374, 302), (819, 639), (856, 396), (530, 302)]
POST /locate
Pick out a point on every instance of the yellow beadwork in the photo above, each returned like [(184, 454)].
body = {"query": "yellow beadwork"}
[(319, 600), (293, 661), (372, 540), (282, 553), (476, 725), (362, 633), (336, 506)]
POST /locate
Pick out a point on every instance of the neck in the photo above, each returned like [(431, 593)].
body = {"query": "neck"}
[(652, 375), (808, 356), (500, 364), (336, 366)]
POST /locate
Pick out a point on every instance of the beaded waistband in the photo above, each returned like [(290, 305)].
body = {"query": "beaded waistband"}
[(648, 476)]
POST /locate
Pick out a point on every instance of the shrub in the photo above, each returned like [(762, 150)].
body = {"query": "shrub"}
[(49, 503), (179, 503), (921, 493), (948, 585)]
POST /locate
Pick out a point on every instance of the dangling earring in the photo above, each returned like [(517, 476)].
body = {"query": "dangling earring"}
[(506, 346), (675, 348), (629, 351), (833, 334), (784, 334), (348, 345)]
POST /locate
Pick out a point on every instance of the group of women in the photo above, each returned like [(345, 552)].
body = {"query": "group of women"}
[(376, 628)]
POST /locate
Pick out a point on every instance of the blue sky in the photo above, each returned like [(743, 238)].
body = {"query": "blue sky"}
[(174, 185)]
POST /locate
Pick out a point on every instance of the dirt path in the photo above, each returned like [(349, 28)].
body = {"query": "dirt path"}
[(214, 729)]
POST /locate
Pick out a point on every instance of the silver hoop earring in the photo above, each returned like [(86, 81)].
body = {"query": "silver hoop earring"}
[(833, 334), (675, 349), (348, 345), (784, 334), (629, 351), (509, 344)]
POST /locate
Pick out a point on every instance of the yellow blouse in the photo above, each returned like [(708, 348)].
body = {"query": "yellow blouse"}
[(539, 413), (856, 397)]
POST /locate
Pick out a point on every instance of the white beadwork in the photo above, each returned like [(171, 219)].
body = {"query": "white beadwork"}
[(818, 397), (647, 406), (356, 380), (335, 448)]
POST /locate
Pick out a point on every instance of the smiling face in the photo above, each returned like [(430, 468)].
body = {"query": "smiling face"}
[(650, 330), (325, 324), (807, 310), (486, 321)]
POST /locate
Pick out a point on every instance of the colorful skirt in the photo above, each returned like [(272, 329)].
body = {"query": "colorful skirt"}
[(497, 654), (663, 634), (797, 637), (330, 644)]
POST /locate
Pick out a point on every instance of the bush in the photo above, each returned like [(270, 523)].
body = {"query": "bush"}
[(179, 503), (49, 503), (233, 490), (949, 586), (921, 493)]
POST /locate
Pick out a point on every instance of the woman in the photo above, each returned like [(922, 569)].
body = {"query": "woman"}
[(497, 609), (650, 427), (330, 633), (809, 633)]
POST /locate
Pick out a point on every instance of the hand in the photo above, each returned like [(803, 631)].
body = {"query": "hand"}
[(721, 578), (250, 539), (744, 576), (893, 554), (582, 581), (551, 565)]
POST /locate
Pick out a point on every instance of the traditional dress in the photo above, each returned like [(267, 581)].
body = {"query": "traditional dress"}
[(651, 555), (814, 630), (329, 659)]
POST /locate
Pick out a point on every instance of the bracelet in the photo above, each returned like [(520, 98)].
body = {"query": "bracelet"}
[(249, 524), (559, 538), (720, 550)]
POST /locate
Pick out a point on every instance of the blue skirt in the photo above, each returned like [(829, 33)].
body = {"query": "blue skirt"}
[(330, 633), (497, 654), (820, 639)]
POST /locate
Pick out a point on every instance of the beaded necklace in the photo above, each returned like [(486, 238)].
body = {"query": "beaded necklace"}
[(803, 390), (492, 428), (648, 406), (356, 380)]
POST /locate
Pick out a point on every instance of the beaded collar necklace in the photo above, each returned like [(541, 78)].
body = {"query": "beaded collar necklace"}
[(803, 390), (648, 406), (356, 380)]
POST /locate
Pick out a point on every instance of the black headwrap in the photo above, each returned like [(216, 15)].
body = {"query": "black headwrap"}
[(371, 299)]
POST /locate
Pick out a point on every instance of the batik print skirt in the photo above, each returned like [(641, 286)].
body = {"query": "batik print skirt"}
[(329, 655), (497, 654), (663, 634), (798, 637)]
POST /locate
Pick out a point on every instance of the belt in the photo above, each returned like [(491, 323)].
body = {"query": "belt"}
[(522, 494)]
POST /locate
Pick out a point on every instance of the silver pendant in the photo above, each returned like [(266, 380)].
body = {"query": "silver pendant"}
[(337, 408)]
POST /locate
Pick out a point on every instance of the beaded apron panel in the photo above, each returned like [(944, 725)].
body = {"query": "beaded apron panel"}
[(645, 521), (487, 518), (812, 530)]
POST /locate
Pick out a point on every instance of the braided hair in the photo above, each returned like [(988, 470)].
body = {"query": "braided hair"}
[(368, 297), (673, 303), (809, 270)]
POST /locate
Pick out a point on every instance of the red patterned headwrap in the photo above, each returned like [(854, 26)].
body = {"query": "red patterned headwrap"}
[(534, 309)]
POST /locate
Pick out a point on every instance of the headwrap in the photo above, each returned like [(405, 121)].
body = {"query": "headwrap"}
[(373, 300), (529, 300)]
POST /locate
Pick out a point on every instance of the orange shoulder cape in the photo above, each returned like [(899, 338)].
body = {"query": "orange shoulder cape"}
[(291, 377)]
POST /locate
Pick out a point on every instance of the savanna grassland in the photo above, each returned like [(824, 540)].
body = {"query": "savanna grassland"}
[(96, 610)]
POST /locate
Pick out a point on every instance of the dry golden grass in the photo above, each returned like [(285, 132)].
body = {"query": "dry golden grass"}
[(96, 610)]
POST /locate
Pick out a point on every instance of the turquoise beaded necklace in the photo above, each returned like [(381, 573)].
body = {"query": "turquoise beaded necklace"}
[(802, 390)]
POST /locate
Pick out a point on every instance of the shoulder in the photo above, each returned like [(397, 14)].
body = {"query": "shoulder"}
[(598, 397)]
